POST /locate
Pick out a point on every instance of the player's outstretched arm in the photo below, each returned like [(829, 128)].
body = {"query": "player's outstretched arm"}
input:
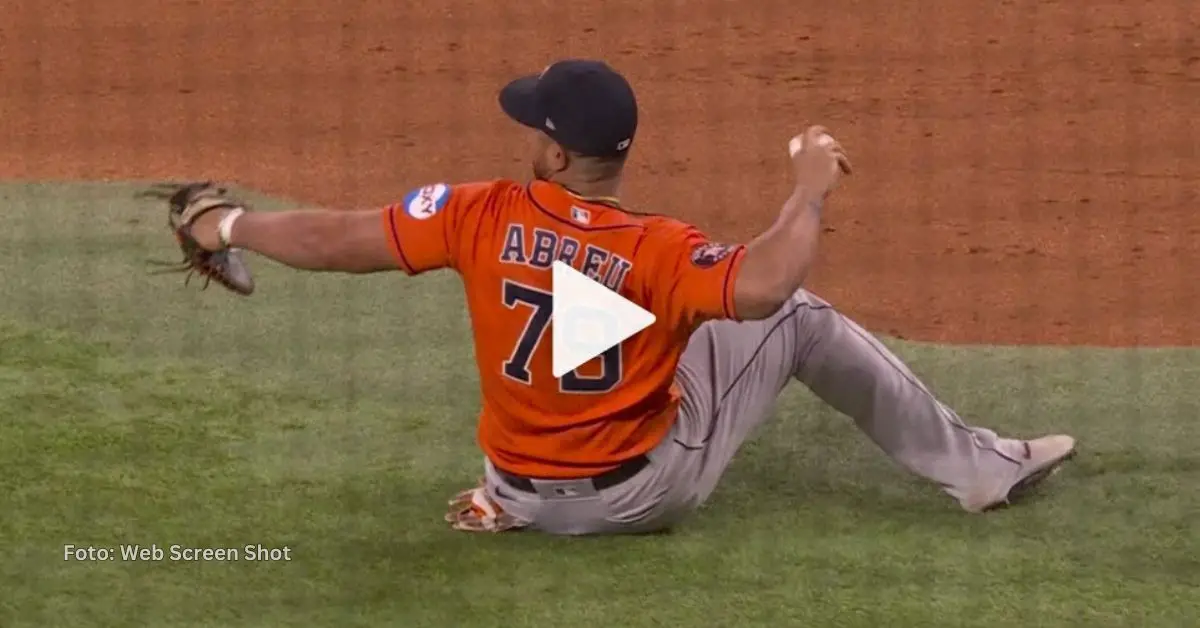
[(322, 240), (420, 234), (319, 240), (777, 262)]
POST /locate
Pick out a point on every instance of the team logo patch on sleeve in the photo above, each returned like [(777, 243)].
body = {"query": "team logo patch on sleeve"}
[(425, 202), (707, 255)]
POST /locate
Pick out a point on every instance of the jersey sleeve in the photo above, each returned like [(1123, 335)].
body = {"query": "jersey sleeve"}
[(423, 230), (696, 276)]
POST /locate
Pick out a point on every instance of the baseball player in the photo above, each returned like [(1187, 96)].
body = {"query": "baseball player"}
[(637, 438)]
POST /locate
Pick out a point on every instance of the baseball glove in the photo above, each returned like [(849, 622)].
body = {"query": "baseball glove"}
[(186, 202), (473, 511)]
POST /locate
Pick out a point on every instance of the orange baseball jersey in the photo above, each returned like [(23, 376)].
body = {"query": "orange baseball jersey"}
[(502, 238)]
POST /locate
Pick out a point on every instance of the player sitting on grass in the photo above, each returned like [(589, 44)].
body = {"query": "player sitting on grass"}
[(639, 437)]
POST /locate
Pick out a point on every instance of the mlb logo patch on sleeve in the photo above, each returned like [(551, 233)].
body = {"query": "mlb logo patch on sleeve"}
[(427, 201)]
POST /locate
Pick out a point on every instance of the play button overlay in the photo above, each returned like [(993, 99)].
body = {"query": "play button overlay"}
[(588, 319)]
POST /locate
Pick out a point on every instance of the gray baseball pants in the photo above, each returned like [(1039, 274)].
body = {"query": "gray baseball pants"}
[(731, 375)]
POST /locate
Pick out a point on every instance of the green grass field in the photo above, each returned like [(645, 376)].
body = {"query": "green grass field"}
[(335, 415)]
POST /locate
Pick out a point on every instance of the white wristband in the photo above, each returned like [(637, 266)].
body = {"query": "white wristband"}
[(225, 228)]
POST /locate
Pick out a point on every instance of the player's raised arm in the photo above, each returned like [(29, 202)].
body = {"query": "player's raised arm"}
[(705, 280), (777, 262)]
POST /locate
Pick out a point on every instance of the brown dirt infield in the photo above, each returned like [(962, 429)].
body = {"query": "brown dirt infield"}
[(1026, 169)]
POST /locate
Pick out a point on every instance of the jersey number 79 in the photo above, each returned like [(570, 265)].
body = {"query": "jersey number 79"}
[(541, 306)]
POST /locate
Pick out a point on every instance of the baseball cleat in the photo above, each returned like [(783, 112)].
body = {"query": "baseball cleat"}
[(1043, 457)]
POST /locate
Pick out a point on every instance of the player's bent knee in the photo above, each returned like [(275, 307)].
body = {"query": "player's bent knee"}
[(805, 297)]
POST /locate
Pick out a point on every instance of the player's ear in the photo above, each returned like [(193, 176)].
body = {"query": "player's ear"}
[(556, 157)]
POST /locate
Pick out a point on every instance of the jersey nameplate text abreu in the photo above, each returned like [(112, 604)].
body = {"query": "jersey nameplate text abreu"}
[(502, 238)]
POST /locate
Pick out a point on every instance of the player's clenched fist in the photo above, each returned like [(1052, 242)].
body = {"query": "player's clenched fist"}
[(818, 160)]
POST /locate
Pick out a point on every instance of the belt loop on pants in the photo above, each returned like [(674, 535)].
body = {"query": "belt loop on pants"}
[(608, 479)]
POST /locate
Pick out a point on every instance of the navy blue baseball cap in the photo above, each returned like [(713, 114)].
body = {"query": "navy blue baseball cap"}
[(584, 105)]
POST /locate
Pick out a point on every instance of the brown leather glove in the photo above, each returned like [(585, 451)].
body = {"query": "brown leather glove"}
[(186, 203)]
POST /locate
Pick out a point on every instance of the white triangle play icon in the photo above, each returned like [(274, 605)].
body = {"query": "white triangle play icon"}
[(588, 319)]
